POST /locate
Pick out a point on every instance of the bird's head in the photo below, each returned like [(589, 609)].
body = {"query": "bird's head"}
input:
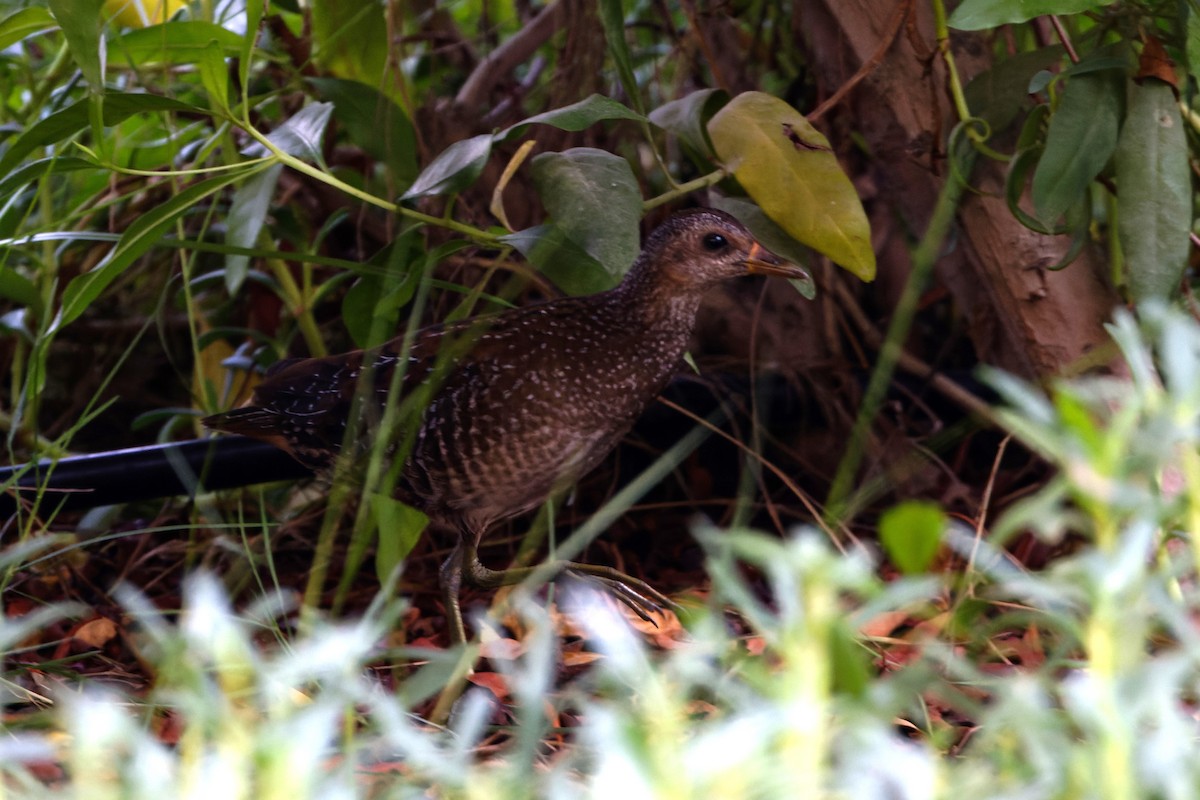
[(699, 248)]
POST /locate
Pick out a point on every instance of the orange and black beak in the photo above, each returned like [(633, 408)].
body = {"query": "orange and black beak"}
[(762, 261)]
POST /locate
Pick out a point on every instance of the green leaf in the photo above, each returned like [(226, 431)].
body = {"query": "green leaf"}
[(301, 134), (16, 287), (789, 169), (20, 25), (350, 39), (455, 168), (1154, 191), (80, 23), (999, 94), (850, 663), (973, 15), (1081, 138), (214, 75), (138, 238), (371, 307), (612, 17), (180, 42), (1023, 162), (373, 122), (771, 236), (1192, 44), (247, 212), (911, 533), (594, 198), (686, 118), (254, 16), (63, 124), (35, 170), (400, 528), (561, 260), (577, 116)]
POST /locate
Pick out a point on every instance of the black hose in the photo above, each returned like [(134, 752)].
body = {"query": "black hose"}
[(143, 473)]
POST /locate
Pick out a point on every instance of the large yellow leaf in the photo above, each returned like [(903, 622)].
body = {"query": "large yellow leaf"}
[(789, 169)]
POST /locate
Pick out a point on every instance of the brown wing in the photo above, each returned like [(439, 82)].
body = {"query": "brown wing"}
[(303, 406)]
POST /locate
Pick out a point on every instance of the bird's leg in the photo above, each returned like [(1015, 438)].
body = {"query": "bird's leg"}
[(451, 577), (642, 598)]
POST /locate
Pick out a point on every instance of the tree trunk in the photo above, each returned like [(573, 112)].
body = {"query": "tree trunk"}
[(1022, 316)]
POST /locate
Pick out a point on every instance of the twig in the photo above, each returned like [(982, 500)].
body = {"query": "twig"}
[(985, 506), (893, 31), (838, 505), (689, 10), (801, 495), (1064, 38), (516, 50), (910, 363)]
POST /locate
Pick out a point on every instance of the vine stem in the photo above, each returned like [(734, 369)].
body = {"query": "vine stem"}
[(838, 506), (942, 31), (1064, 38), (324, 177), (685, 188)]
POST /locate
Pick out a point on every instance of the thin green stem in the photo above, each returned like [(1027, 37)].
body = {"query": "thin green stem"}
[(838, 506), (170, 173), (324, 177), (942, 31), (977, 136), (680, 190)]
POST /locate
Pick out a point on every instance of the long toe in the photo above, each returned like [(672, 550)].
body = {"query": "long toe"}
[(628, 581), (639, 596)]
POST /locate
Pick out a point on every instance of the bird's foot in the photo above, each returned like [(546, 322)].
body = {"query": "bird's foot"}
[(638, 596)]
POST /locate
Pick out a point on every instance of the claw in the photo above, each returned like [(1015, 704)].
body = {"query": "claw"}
[(644, 600)]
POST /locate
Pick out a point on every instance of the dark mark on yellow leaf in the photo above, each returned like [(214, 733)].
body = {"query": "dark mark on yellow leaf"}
[(790, 134)]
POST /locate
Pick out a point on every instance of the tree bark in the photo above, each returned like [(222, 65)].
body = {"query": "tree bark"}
[(1023, 317)]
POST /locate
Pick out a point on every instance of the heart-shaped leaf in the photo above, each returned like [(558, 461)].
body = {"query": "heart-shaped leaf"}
[(565, 263), (789, 169), (999, 94), (594, 198)]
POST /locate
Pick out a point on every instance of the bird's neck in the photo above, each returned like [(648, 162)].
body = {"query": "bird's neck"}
[(658, 303)]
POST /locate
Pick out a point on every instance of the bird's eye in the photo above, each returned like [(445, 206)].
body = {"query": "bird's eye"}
[(714, 242)]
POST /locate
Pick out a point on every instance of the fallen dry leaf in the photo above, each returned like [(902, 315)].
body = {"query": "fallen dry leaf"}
[(502, 649), (494, 682), (96, 632), (579, 658), (883, 624)]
